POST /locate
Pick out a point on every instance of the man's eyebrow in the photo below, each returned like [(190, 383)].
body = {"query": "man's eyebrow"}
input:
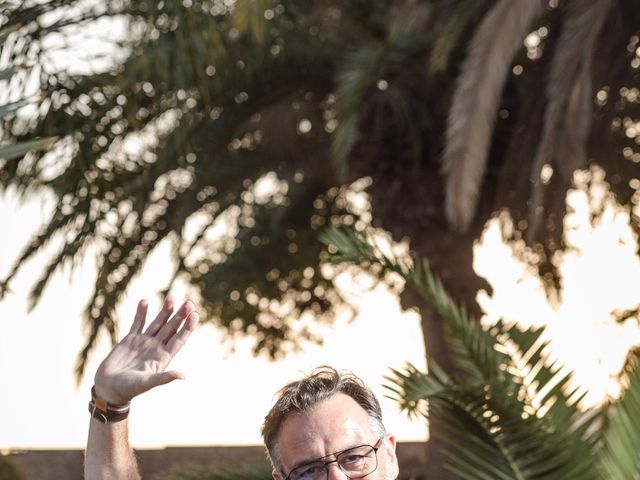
[(303, 463), (310, 461)]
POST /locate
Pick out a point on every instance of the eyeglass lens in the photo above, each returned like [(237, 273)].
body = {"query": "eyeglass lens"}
[(355, 462)]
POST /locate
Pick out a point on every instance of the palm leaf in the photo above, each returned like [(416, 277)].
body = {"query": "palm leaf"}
[(490, 431), (17, 150), (8, 73), (360, 72), (452, 33), (548, 384), (492, 407), (8, 30), (569, 94), (252, 17), (9, 108), (164, 77), (476, 100), (621, 454), (475, 352)]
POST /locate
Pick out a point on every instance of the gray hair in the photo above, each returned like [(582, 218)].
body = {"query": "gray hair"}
[(302, 395)]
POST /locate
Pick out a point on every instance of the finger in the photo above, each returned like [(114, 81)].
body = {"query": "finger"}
[(171, 327), (179, 339), (161, 318), (139, 319)]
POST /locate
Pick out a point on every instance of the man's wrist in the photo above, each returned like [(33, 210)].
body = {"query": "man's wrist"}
[(102, 390), (107, 412)]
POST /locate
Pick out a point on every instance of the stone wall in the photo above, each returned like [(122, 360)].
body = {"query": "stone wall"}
[(67, 464)]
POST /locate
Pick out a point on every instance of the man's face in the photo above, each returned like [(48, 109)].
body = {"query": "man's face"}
[(333, 425)]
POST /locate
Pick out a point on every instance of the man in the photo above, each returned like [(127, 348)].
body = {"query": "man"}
[(327, 426)]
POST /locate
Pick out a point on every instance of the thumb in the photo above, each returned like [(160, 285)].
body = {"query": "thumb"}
[(164, 378)]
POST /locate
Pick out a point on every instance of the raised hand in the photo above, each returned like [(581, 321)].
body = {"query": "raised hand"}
[(138, 363)]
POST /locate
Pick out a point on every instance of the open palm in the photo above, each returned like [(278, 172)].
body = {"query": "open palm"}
[(138, 363)]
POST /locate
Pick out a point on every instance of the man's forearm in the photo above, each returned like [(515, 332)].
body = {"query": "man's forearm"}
[(135, 365), (109, 455)]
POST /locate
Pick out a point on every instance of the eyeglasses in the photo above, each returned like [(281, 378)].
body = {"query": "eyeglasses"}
[(355, 462)]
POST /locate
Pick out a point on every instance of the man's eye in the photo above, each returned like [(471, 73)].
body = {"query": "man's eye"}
[(309, 472), (351, 459)]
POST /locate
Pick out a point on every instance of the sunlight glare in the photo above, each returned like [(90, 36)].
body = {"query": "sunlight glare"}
[(600, 273)]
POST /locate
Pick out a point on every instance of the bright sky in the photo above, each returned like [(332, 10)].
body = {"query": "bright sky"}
[(226, 395), (601, 273)]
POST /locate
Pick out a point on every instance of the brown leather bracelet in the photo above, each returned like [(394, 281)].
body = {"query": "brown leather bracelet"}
[(106, 412)]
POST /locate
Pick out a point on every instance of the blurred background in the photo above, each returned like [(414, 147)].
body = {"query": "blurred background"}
[(201, 148)]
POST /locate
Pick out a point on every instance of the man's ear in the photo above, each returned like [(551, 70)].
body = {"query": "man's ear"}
[(276, 475), (390, 453), (391, 443)]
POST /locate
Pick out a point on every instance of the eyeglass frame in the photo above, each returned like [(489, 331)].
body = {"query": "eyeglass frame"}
[(375, 449)]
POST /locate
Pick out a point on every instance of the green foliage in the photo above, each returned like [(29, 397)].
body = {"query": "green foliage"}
[(452, 32), (215, 113), (7, 110), (10, 470), (190, 93), (621, 450), (507, 413), (250, 17), (362, 72), (251, 472), (206, 99)]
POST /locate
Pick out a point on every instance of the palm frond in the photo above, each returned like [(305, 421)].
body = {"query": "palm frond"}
[(18, 150), (491, 431), (621, 454), (476, 100), (569, 96), (8, 30), (413, 390), (452, 33), (188, 92), (252, 17), (475, 350), (548, 384), (493, 408), (360, 74)]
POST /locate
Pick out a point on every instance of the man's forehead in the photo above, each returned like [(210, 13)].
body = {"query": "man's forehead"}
[(333, 425)]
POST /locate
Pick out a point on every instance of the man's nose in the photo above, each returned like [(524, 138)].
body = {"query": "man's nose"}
[(334, 472)]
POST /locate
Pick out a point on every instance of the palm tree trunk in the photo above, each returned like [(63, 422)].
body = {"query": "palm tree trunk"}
[(451, 258)]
